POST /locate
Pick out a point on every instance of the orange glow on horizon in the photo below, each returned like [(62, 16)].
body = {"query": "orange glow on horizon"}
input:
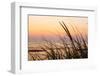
[(49, 25)]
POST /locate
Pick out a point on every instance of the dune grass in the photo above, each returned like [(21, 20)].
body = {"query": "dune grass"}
[(78, 43)]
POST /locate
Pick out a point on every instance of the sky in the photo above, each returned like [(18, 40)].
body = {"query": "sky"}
[(49, 27)]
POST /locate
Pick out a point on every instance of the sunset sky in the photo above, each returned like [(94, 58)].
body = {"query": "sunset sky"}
[(49, 27)]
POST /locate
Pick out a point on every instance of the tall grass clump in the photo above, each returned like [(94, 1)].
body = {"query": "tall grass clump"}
[(73, 46), (78, 44)]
